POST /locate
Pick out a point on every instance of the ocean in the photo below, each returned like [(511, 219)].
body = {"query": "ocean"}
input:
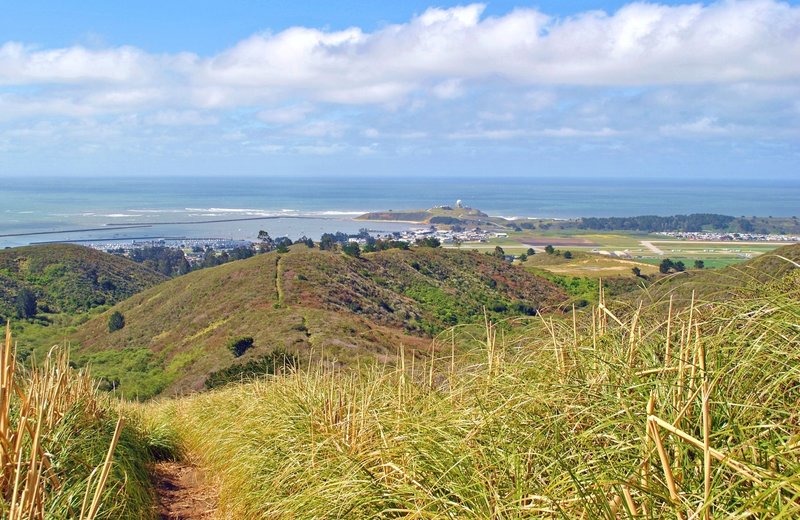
[(40, 209)]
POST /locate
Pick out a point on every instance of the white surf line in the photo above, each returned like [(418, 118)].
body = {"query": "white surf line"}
[(651, 247)]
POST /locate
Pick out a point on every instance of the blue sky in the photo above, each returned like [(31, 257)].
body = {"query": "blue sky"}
[(676, 89)]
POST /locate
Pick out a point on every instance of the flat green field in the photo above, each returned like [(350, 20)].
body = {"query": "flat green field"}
[(639, 247)]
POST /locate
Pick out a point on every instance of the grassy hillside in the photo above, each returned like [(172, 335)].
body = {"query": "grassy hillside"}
[(66, 450), (441, 215), (620, 414), (69, 278), (347, 309), (722, 284)]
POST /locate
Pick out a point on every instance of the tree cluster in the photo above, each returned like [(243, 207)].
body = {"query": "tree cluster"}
[(169, 261), (668, 265), (653, 223), (428, 242)]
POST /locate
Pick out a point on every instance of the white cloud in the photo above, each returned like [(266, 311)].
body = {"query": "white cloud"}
[(319, 129), (21, 64), (575, 132), (641, 44), (181, 118), (645, 70), (287, 114), (702, 126), (450, 89), (547, 132)]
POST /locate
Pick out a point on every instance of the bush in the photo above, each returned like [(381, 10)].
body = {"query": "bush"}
[(352, 249), (429, 242), (26, 303), (116, 321), (238, 346), (264, 365)]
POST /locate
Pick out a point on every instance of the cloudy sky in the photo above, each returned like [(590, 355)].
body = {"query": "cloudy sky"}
[(596, 88)]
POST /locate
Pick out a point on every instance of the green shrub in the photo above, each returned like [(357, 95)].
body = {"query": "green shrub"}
[(116, 321), (352, 249), (238, 346), (26, 303), (263, 365)]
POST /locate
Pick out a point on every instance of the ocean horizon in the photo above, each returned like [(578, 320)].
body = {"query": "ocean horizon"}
[(295, 206)]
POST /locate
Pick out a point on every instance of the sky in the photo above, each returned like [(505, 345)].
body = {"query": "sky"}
[(632, 90)]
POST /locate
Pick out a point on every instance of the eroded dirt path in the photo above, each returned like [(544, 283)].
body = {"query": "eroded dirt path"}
[(183, 493)]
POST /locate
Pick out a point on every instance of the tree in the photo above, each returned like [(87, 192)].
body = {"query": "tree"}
[(26, 303), (523, 257), (238, 346), (530, 252), (352, 249), (699, 264), (679, 266), (499, 253), (549, 249), (327, 242), (636, 272), (305, 240), (665, 266), (267, 244), (116, 321), (429, 242), (183, 266), (568, 254)]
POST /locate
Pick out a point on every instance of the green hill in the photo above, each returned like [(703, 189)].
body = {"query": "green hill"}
[(305, 301), (69, 278), (440, 215), (620, 413), (722, 284)]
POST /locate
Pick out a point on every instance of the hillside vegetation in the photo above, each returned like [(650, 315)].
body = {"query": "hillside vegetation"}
[(620, 412), (69, 278), (352, 309), (722, 284), (441, 215), (66, 450)]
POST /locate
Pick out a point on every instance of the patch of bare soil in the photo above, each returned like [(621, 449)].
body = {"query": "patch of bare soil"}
[(183, 492)]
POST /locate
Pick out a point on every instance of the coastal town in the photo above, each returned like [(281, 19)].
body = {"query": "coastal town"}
[(729, 237)]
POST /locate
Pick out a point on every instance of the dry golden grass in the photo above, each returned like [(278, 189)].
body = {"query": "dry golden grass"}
[(36, 408), (616, 413)]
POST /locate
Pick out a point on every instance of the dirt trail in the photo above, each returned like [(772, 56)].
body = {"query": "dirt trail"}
[(279, 280), (183, 494)]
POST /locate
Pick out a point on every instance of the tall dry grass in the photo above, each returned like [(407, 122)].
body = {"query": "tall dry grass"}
[(616, 413), (58, 439)]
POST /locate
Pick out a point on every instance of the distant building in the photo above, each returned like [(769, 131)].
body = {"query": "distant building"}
[(459, 204)]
